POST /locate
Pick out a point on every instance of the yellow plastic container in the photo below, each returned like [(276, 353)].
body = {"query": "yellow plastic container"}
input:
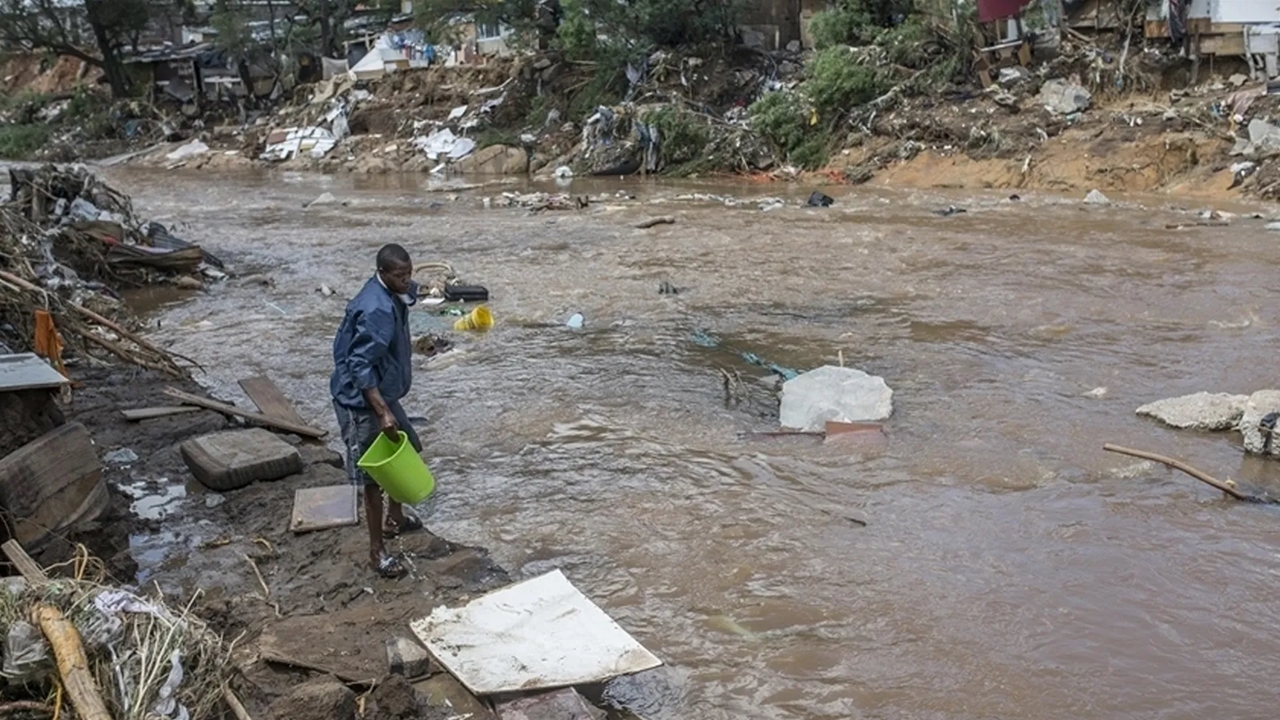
[(478, 319), (398, 470)]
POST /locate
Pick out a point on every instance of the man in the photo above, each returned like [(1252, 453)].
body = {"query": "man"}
[(372, 372)]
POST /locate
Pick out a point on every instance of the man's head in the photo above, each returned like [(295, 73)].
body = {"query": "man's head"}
[(395, 268)]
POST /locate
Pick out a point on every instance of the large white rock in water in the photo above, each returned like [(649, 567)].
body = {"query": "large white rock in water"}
[(1260, 404), (1201, 411), (834, 393)]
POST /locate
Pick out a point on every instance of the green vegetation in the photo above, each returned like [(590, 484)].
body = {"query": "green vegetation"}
[(683, 139), (838, 82), (21, 142)]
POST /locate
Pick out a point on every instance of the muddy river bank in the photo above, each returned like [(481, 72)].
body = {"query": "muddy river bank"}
[(1009, 568)]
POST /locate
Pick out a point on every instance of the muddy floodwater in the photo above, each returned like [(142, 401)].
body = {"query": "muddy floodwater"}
[(1009, 567)]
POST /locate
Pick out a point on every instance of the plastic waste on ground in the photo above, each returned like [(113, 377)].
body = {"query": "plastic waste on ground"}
[(575, 321)]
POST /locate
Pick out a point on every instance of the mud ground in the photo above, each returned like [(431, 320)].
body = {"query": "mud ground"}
[(322, 607)]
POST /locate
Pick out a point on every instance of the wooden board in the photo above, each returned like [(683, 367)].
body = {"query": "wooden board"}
[(51, 483), (337, 643), (156, 412), (23, 562), (270, 400), (323, 508), (260, 419)]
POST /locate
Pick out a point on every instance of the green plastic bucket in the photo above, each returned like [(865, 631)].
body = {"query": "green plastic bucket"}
[(398, 470)]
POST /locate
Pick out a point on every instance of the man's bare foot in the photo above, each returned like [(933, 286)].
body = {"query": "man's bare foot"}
[(388, 566)]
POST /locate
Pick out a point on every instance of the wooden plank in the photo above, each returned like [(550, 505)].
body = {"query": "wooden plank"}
[(23, 562), (45, 484), (270, 400), (324, 508), (258, 418), (1222, 45), (156, 412)]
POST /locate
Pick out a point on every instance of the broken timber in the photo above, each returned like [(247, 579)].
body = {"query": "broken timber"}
[(157, 412), (267, 421), (270, 400)]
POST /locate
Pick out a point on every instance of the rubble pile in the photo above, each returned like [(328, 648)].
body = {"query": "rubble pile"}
[(68, 241)]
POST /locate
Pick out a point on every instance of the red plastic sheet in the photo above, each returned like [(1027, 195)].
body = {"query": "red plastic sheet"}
[(989, 10)]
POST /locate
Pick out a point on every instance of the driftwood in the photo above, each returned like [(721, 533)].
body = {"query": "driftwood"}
[(233, 702), (1229, 489), (259, 418), (73, 665), (145, 355), (653, 222), (27, 567), (158, 412)]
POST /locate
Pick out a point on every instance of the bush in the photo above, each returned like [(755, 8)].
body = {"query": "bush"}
[(837, 83), (576, 36), (20, 142), (838, 26), (780, 119), (682, 136)]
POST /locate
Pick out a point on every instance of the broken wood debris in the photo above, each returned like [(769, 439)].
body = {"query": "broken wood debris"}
[(270, 401), (252, 417), (143, 353), (654, 222), (136, 414)]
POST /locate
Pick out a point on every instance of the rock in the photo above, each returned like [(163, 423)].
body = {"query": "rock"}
[(1264, 138), (1095, 197), (1200, 411), (407, 658), (834, 393), (496, 160), (395, 699), (192, 149), (541, 64), (325, 199), (187, 282), (1096, 393), (324, 698), (1274, 226), (213, 500), (1063, 98), (793, 46), (565, 704), (1259, 405), (1238, 79)]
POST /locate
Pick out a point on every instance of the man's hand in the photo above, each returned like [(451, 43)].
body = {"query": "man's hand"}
[(390, 428), (386, 418)]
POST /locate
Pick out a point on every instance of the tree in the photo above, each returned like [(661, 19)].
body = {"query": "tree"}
[(57, 26), (636, 25)]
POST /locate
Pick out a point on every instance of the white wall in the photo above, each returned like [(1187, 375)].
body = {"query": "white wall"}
[(1245, 11)]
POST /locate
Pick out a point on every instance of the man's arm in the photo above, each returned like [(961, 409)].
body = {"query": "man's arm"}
[(373, 333)]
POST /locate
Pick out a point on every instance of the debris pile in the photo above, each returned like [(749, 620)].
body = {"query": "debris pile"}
[(67, 240), (105, 652)]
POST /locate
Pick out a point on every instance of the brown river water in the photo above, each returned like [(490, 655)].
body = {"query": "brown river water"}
[(1009, 569)]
